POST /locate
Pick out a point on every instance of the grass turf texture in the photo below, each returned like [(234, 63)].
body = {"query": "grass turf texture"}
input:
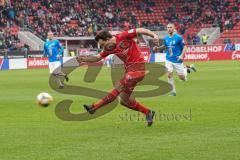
[(28, 131)]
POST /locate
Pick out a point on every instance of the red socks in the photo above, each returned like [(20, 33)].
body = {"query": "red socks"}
[(132, 104), (137, 106), (108, 99)]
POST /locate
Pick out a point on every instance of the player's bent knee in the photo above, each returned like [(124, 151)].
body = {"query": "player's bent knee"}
[(182, 77)]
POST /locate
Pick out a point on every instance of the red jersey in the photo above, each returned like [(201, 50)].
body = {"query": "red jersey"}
[(127, 50)]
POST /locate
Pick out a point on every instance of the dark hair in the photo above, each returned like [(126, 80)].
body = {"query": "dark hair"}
[(104, 35)]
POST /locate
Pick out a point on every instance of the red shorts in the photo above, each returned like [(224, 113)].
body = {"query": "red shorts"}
[(130, 80)]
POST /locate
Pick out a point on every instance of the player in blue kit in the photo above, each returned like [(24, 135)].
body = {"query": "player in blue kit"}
[(54, 50), (175, 49)]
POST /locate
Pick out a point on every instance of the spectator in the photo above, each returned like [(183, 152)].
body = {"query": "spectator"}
[(229, 46), (228, 24), (11, 13), (204, 39), (235, 8), (189, 39), (237, 17), (149, 10), (196, 40), (182, 30)]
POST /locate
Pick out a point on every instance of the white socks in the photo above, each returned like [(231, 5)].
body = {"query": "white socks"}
[(171, 81), (185, 74)]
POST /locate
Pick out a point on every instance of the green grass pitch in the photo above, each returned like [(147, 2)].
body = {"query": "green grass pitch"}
[(208, 129)]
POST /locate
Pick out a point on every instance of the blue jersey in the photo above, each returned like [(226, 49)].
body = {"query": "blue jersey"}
[(175, 45), (53, 49)]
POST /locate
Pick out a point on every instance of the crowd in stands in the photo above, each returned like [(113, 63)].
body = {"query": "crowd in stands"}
[(8, 33), (67, 17), (84, 18), (9, 41), (213, 13), (71, 17), (219, 13), (76, 17)]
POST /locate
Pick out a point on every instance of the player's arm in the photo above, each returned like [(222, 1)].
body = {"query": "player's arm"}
[(182, 44), (183, 52), (132, 33), (92, 58), (149, 33), (160, 47), (60, 48)]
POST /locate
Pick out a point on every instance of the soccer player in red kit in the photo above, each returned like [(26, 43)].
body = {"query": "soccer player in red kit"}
[(123, 46)]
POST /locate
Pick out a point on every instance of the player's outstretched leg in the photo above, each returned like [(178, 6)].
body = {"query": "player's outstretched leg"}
[(150, 117), (191, 68), (171, 81), (63, 75), (104, 101), (183, 71), (59, 81), (66, 77), (134, 105), (89, 108)]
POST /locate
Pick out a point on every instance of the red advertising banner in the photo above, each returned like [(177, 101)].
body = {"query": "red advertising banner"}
[(236, 55), (37, 63), (211, 56), (205, 48), (210, 52)]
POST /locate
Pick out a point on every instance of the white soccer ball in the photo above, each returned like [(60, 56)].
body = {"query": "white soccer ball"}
[(44, 99)]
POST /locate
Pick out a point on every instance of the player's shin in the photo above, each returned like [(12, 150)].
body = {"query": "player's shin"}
[(107, 99), (185, 74), (137, 106), (58, 80), (127, 105), (171, 81)]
